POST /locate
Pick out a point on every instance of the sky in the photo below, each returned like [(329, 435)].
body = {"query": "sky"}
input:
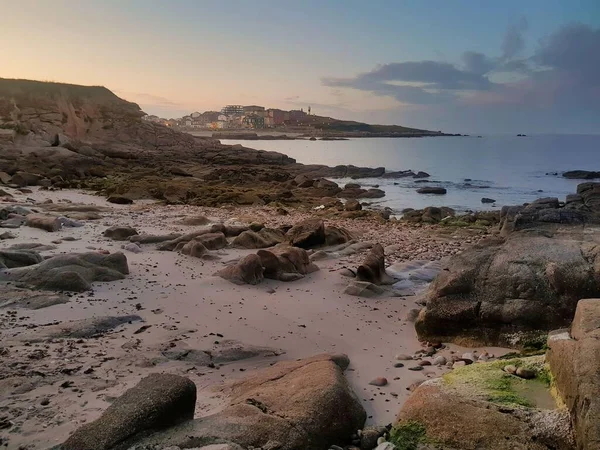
[(458, 66)]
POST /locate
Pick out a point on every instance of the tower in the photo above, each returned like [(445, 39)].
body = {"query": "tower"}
[(309, 110)]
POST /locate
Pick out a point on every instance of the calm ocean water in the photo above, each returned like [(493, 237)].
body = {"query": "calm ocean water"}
[(508, 169)]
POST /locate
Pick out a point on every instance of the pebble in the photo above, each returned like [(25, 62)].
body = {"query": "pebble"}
[(525, 373), (398, 365), (416, 368), (440, 361), (424, 363), (469, 356), (403, 357), (379, 381), (459, 364), (45, 402)]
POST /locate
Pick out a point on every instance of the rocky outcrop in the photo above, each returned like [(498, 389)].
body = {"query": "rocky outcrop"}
[(500, 288), (266, 237), (19, 258), (158, 401), (307, 234), (431, 214), (354, 192), (480, 407), (581, 174), (285, 263), (372, 270), (574, 358), (73, 272), (249, 270), (297, 405)]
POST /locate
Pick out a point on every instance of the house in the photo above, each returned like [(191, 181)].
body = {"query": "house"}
[(276, 117), (253, 121), (233, 110), (254, 110)]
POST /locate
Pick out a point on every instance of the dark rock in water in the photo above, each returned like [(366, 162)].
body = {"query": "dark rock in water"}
[(487, 200), (372, 269), (581, 174), (432, 190), (249, 270), (120, 233), (525, 283), (119, 200), (307, 234), (296, 405), (156, 402), (361, 193)]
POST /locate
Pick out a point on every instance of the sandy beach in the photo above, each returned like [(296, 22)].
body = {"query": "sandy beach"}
[(52, 386)]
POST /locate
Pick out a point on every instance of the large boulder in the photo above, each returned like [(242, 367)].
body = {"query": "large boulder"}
[(581, 174), (372, 270), (307, 234), (286, 263), (212, 241), (194, 248), (72, 272), (502, 288), (43, 221), (337, 235), (267, 237), (158, 401), (248, 270), (297, 405), (574, 358), (19, 258), (481, 407)]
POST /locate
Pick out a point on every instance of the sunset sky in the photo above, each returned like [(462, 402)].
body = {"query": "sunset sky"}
[(458, 66)]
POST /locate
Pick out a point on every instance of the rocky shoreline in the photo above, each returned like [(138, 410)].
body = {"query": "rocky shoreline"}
[(161, 291)]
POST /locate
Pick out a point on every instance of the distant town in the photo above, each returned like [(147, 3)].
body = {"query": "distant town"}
[(236, 117)]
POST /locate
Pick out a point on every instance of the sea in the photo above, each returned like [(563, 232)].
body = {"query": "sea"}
[(511, 170)]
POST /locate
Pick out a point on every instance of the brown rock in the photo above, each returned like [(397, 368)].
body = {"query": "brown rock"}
[(307, 234), (43, 221), (213, 241), (248, 270), (157, 401), (372, 269)]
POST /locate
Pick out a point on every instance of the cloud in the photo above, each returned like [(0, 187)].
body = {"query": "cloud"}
[(562, 72)]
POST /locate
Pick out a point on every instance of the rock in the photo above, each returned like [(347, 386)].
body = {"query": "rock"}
[(22, 179), (440, 361), (43, 222), (73, 272), (248, 270), (5, 178), (424, 363), (363, 289), (212, 241), (132, 247), (416, 368), (403, 357), (468, 356), (352, 205), (119, 200), (412, 315), (286, 263), (153, 239), (459, 415), (527, 282), (157, 401), (525, 373), (431, 214), (307, 234), (194, 248), (379, 381), (358, 192), (119, 233), (194, 221), (266, 237), (18, 258), (337, 235), (487, 200), (292, 405), (431, 190), (372, 270), (385, 446), (575, 367), (369, 437), (581, 174)]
